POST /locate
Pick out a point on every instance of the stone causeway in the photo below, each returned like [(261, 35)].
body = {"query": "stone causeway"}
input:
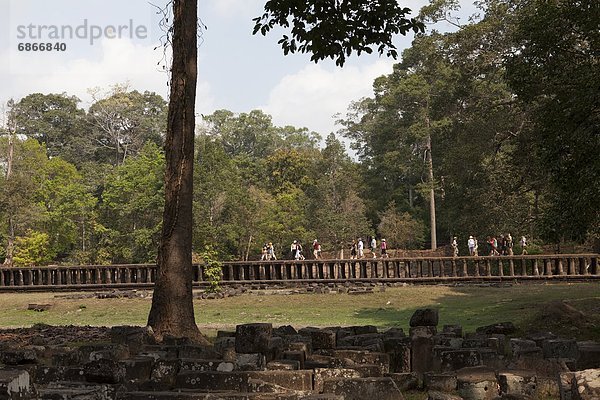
[(260, 362)]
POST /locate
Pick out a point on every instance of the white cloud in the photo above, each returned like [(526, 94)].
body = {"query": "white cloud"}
[(312, 96), (116, 61)]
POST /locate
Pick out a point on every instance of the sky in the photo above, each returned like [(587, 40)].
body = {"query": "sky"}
[(99, 43)]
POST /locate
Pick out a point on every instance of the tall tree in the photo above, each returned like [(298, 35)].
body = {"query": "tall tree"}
[(356, 27), (172, 311)]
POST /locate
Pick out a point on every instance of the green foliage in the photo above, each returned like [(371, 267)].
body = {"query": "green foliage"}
[(212, 269), (336, 29), (400, 230), (32, 249)]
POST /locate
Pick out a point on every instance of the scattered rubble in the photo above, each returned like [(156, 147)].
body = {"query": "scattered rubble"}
[(262, 362)]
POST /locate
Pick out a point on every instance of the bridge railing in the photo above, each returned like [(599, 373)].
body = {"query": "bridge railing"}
[(555, 266)]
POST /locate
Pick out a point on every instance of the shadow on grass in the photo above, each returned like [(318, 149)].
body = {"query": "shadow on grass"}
[(528, 306)]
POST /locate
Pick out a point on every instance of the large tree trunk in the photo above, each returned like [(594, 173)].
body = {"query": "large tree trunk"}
[(172, 311)]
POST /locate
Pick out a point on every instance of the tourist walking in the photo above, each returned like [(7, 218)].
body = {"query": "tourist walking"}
[(523, 244), (454, 247), (383, 246), (373, 246), (353, 248), (475, 248), (271, 252), (360, 248), (509, 244), (316, 249), (471, 245)]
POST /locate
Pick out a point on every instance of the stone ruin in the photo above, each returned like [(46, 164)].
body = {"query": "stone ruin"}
[(259, 362)]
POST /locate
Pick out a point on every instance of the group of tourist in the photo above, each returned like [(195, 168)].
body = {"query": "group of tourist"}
[(357, 248), (501, 246)]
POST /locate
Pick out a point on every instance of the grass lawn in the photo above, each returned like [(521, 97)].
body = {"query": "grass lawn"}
[(526, 305)]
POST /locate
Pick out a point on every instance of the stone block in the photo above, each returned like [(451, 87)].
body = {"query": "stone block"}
[(394, 332), (253, 338), (399, 350), (326, 396), (134, 337), (503, 328), (199, 352), (66, 358), (112, 351), (164, 373), (518, 383), (435, 395), (424, 317), (586, 384), (364, 357), (250, 362), (18, 357), (364, 388), (139, 368), (452, 360), (405, 380), (283, 365), (189, 364), (422, 331), (322, 374), (43, 374), (239, 381), (566, 385), (422, 355), (15, 384), (542, 367), (478, 383), (560, 348), (439, 382), (285, 330), (367, 370), (304, 347), (589, 355), (523, 346), (298, 356), (104, 371), (320, 338), (546, 388), (275, 348), (449, 341), (453, 330)]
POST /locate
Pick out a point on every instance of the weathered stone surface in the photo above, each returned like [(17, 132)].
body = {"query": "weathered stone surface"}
[(517, 383), (253, 338), (422, 331), (104, 371), (405, 380), (566, 385), (132, 336), (239, 381), (542, 367), (547, 388), (586, 384), (453, 330), (399, 350), (250, 362), (435, 395), (320, 338), (163, 376), (78, 391), (560, 348), (362, 357), (452, 360), (298, 356), (439, 382), (283, 365), (422, 355), (448, 341), (477, 383), (15, 384), (503, 328), (285, 330), (364, 388), (322, 374), (424, 317), (589, 355), (113, 352), (524, 346), (139, 368), (190, 364), (18, 357)]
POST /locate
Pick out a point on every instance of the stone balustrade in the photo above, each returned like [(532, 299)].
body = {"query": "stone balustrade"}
[(423, 269)]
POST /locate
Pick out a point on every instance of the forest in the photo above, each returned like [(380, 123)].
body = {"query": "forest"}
[(498, 123)]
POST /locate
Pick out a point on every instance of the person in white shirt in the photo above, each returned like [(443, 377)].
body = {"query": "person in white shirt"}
[(471, 244), (360, 248)]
